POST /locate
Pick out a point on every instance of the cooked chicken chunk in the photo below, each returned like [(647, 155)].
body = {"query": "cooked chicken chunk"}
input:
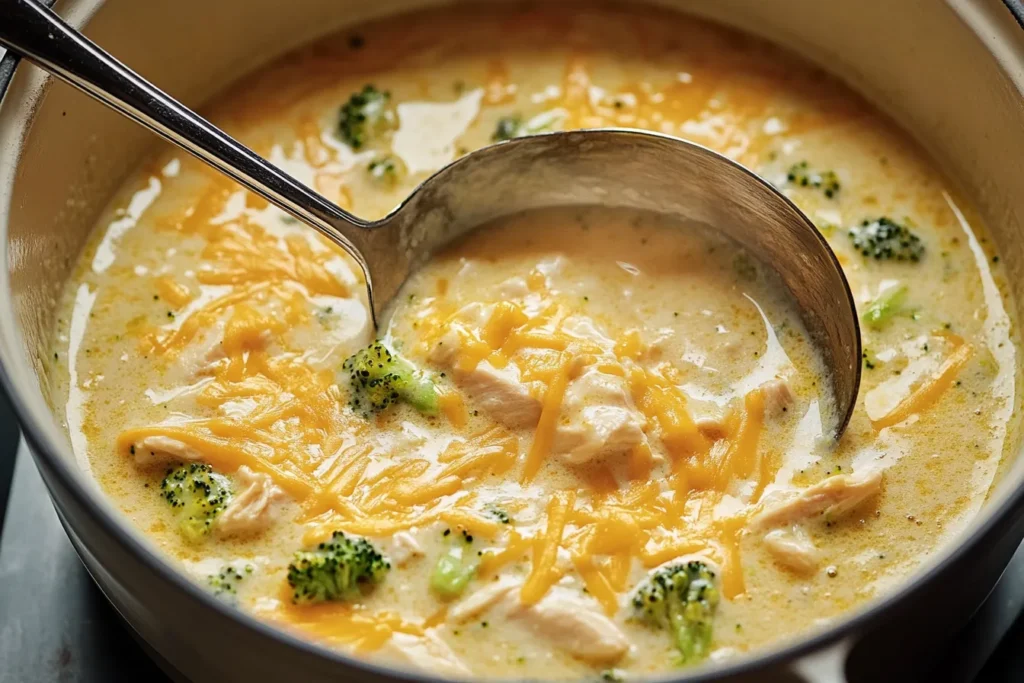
[(403, 548), (575, 626), (251, 510), (793, 549), (778, 397), (584, 328), (427, 653), (514, 288), (158, 450), (569, 622), (598, 419), (835, 495), (498, 392), (501, 394), (482, 600)]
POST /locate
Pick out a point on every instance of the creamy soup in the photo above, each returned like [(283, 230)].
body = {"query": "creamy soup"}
[(589, 441)]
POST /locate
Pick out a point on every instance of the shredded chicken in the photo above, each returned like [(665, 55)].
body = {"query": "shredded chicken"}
[(513, 288), (581, 327), (598, 419), (252, 509), (403, 548), (793, 549), (778, 397), (158, 450), (562, 618), (575, 626), (835, 496), (482, 600), (498, 392), (427, 653), (501, 395)]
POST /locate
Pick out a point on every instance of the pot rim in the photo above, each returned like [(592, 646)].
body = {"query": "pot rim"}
[(45, 449)]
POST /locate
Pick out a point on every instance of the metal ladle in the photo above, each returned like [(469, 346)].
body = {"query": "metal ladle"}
[(615, 168)]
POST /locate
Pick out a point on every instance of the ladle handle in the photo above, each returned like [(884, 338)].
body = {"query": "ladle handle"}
[(36, 33)]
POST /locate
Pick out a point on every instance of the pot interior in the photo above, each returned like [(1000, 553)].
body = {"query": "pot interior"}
[(63, 155)]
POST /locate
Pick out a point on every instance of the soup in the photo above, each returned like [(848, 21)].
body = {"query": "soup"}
[(589, 441)]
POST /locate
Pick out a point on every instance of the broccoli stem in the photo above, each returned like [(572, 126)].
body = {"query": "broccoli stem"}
[(455, 568), (879, 312)]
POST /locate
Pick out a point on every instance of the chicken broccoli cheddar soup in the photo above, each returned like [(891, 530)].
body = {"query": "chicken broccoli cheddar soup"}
[(589, 441)]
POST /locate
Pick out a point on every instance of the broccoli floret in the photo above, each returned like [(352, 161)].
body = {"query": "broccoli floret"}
[(385, 171), (379, 377), (887, 304), (456, 567), (884, 239), (681, 598), (367, 114), (508, 127), (514, 126), (198, 495), (337, 569), (224, 583), (803, 175)]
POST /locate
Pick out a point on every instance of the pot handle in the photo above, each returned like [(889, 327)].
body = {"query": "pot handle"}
[(824, 666)]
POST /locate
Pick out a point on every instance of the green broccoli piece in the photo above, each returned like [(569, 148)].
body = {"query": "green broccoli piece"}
[(224, 583), (198, 495), (885, 239), (455, 568), (681, 598), (509, 127), (337, 569), (514, 126), (367, 114), (803, 175), (386, 171), (879, 312), (379, 377)]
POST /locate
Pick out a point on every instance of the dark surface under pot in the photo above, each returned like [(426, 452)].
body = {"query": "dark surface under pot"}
[(57, 627)]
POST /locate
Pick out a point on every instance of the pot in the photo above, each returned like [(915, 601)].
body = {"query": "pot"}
[(951, 73)]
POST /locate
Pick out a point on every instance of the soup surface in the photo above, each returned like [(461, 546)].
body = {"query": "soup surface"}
[(589, 441)]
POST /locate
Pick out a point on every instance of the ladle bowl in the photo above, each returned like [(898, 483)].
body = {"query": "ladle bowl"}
[(607, 167)]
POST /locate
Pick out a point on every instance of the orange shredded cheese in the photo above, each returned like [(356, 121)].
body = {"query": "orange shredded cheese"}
[(545, 549), (544, 437), (930, 390)]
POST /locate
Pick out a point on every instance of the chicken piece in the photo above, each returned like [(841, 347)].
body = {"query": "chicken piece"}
[(793, 549), (201, 356), (403, 548), (498, 392), (598, 419), (835, 496), (482, 600), (778, 397), (473, 316), (252, 509), (562, 618), (514, 288), (584, 328), (426, 653), (712, 426), (501, 395), (575, 626), (159, 450)]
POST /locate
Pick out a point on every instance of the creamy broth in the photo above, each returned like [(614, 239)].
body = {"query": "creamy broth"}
[(615, 393)]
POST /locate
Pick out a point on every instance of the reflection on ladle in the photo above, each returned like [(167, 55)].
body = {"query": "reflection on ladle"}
[(600, 167)]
